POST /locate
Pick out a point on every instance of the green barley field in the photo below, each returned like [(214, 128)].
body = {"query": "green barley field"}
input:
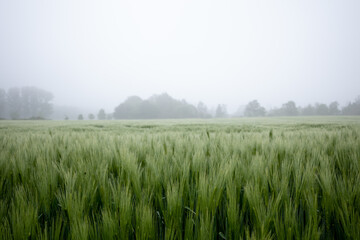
[(269, 178)]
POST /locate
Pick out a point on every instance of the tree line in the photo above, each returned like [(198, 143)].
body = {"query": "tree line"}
[(164, 106), (25, 103), (100, 116), (159, 106), (35, 103), (254, 109)]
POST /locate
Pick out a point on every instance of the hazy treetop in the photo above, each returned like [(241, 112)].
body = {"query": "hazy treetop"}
[(96, 53)]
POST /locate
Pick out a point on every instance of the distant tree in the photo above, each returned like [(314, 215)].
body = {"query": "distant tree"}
[(203, 110), (35, 103), (353, 108), (334, 108), (80, 117), (275, 112), (221, 111), (254, 109), (29, 103), (44, 107), (157, 106), (184, 110), (149, 109), (289, 109), (14, 103), (66, 117), (129, 109), (91, 116), (321, 109), (2, 103), (309, 110), (164, 106), (101, 115)]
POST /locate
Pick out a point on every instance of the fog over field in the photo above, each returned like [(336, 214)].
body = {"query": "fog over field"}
[(187, 119), (94, 54)]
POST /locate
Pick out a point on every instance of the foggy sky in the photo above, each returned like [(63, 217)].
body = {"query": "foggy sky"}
[(97, 53)]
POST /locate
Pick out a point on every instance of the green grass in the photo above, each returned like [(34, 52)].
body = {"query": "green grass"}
[(270, 178)]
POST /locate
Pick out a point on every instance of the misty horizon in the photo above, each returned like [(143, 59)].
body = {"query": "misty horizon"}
[(94, 55), (233, 110), (35, 103)]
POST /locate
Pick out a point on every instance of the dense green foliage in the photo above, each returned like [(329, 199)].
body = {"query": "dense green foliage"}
[(289, 178)]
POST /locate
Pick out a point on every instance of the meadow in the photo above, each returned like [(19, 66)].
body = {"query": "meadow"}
[(266, 178)]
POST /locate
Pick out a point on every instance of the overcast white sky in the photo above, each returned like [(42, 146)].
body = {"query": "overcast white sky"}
[(96, 53)]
